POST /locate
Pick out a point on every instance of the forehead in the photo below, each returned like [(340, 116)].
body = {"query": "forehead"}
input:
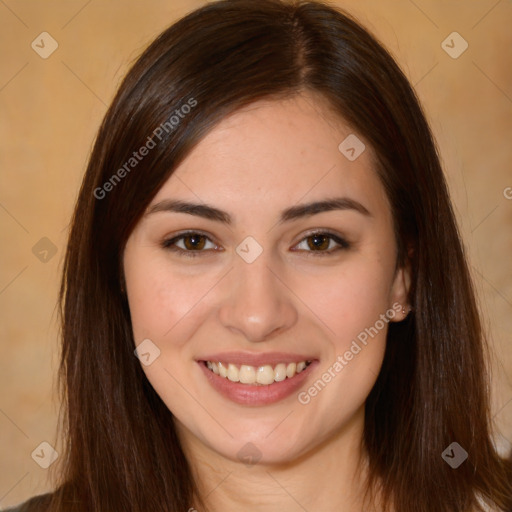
[(279, 151)]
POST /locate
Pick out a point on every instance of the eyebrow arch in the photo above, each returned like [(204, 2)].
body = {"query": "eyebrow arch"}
[(292, 213)]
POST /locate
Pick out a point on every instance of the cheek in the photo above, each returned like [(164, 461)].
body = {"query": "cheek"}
[(164, 308), (348, 299), (352, 305), (160, 299)]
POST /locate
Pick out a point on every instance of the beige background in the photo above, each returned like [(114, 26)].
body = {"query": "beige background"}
[(50, 111)]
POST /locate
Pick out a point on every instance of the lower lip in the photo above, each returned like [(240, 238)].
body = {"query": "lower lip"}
[(248, 394)]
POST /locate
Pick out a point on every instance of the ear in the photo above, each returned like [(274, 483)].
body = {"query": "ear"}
[(399, 293)]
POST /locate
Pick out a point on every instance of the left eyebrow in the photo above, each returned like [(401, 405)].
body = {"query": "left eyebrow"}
[(287, 215), (328, 205)]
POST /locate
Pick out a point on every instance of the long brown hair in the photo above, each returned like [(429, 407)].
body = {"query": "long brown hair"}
[(122, 452)]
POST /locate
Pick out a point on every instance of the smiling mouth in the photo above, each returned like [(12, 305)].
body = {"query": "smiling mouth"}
[(256, 375)]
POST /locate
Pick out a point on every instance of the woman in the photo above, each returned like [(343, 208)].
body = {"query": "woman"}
[(265, 300)]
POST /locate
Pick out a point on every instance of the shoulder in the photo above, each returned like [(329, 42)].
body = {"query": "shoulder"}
[(36, 504)]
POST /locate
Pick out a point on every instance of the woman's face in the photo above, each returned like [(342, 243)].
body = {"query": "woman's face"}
[(283, 271)]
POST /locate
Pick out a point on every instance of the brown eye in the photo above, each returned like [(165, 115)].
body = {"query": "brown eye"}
[(322, 244), (194, 242), (318, 242), (189, 244)]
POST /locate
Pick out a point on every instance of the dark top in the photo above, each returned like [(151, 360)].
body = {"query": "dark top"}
[(35, 504)]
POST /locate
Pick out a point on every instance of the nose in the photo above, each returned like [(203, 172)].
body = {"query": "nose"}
[(258, 304)]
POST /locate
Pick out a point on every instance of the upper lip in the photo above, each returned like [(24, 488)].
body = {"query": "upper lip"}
[(252, 359)]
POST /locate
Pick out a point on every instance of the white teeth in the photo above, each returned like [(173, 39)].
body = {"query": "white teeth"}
[(233, 373), (223, 371), (263, 375), (280, 372), (291, 369), (247, 374)]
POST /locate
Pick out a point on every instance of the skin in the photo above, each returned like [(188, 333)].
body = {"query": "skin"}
[(255, 163)]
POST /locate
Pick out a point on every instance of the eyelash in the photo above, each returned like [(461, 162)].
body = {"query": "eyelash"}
[(169, 244)]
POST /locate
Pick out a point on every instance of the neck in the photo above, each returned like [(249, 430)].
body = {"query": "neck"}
[(329, 477)]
